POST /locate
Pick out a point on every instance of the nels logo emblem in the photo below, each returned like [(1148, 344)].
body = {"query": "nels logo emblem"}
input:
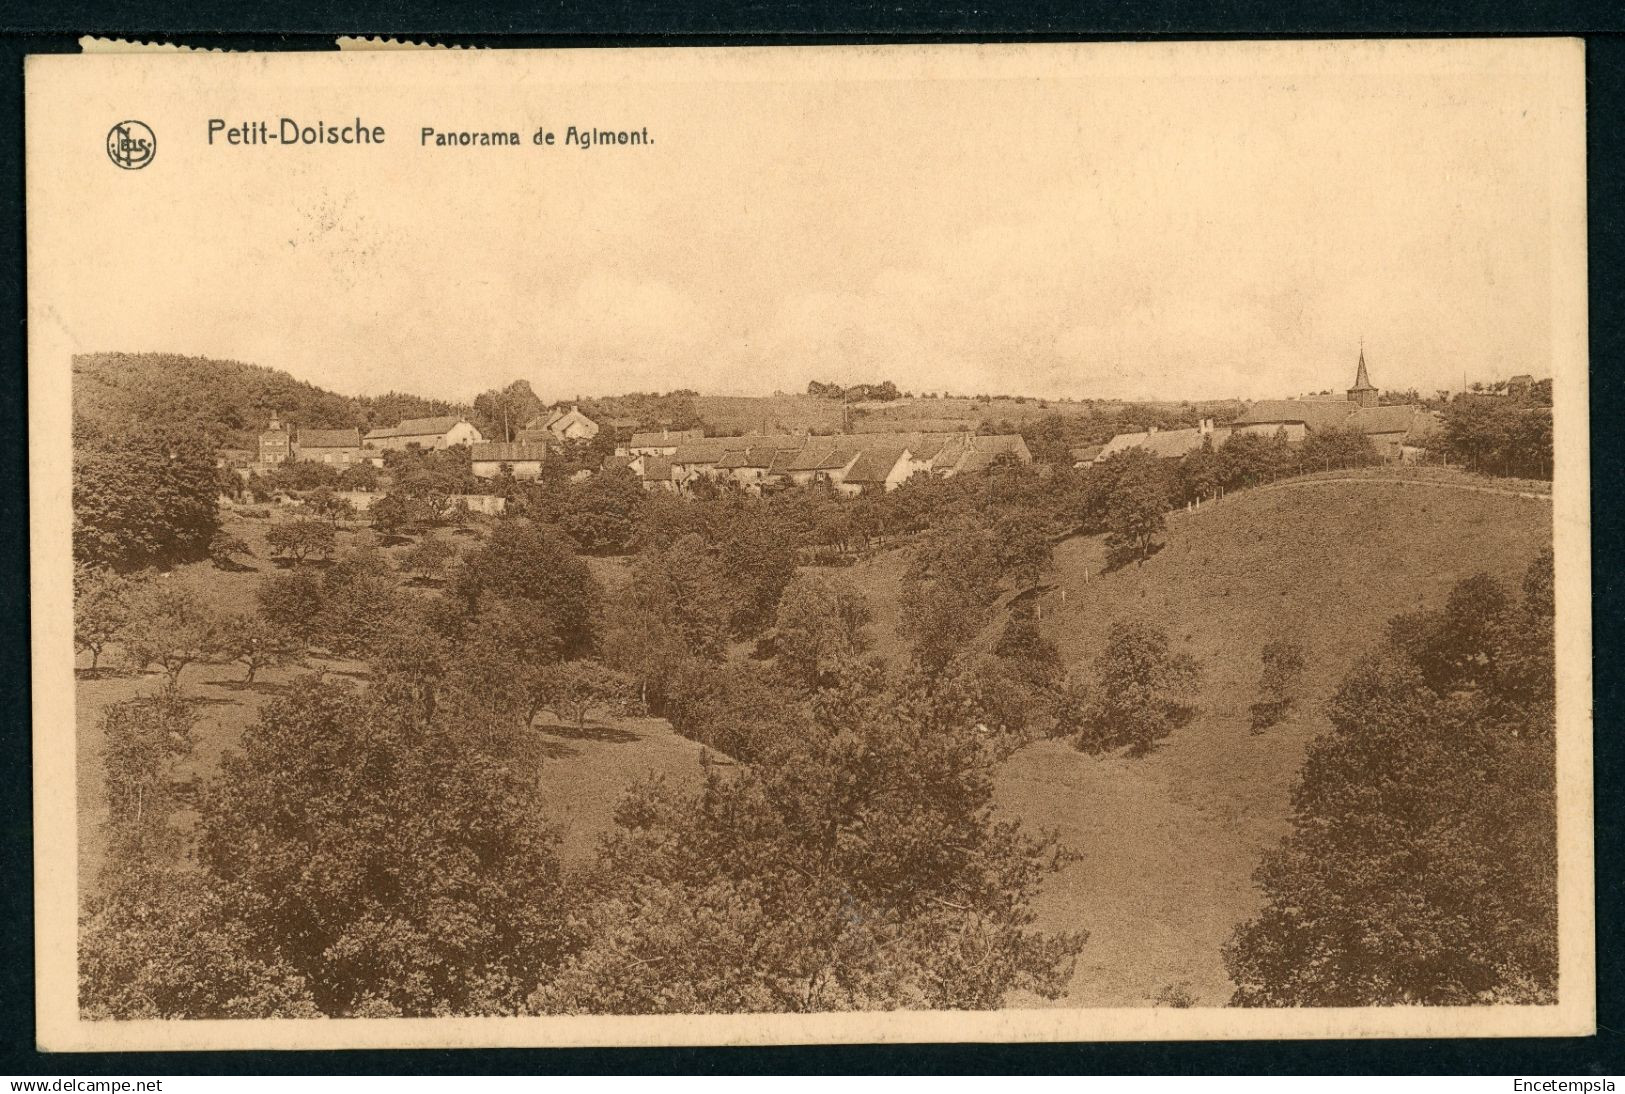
[(131, 145)]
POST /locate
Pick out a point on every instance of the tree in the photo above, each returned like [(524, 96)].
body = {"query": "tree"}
[(164, 949), (1024, 548), (1421, 869), (1283, 663), (224, 549), (301, 539), (574, 689), (391, 863), (601, 514), (142, 502), (1138, 692), (821, 623), (502, 413), (358, 595), (1324, 449), (324, 504), (521, 561), (257, 643), (1136, 499), (150, 943), (849, 868), (293, 603), (676, 609), (144, 741), (429, 558), (101, 609), (172, 627), (398, 514), (1200, 473), (948, 591), (759, 559)]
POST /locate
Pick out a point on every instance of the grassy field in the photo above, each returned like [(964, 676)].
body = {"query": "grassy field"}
[(583, 773), (1169, 840)]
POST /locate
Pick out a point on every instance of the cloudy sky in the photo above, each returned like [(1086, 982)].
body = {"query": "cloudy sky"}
[(1120, 222)]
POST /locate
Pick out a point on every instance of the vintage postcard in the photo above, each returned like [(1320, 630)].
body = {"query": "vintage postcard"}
[(834, 544)]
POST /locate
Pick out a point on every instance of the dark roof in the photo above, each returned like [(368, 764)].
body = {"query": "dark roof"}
[(1383, 419), (329, 438), (874, 464), (1313, 413), (984, 450), (507, 452), (419, 427), (821, 458), (697, 453), (1169, 444), (656, 469)]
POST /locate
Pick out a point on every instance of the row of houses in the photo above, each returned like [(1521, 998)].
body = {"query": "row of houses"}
[(281, 443), (852, 463), (1397, 433)]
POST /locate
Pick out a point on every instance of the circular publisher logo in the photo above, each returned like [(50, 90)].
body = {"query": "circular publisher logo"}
[(131, 145)]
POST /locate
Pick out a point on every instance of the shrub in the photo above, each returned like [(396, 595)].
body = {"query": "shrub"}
[(1283, 664), (1138, 691)]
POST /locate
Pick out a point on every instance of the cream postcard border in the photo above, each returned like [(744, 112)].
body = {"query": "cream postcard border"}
[(55, 248)]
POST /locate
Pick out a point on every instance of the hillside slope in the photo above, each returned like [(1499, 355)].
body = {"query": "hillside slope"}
[(226, 403), (1170, 840)]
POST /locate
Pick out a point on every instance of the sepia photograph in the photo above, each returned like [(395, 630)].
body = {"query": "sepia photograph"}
[(795, 545)]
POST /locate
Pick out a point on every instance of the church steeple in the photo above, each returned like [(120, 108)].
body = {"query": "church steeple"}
[(1363, 392)]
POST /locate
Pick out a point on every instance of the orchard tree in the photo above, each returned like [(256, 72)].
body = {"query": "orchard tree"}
[(171, 626), (224, 549), (301, 539), (429, 558), (293, 603), (1024, 549), (574, 689), (258, 643), (144, 742), (821, 622), (1135, 498), (1138, 691), (101, 609), (759, 559), (601, 514)]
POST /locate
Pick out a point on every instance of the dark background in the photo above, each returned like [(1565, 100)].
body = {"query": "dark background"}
[(54, 28)]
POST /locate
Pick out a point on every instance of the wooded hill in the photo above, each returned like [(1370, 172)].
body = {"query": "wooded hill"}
[(226, 403)]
